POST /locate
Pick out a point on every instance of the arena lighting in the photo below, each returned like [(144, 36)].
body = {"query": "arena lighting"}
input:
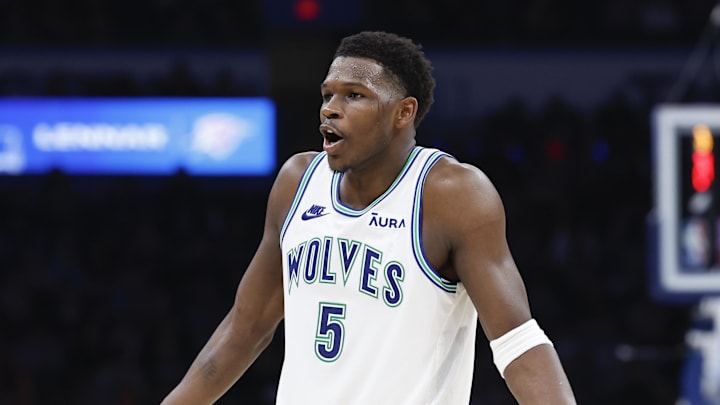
[(137, 136), (600, 150), (307, 10), (555, 150), (311, 14), (703, 161)]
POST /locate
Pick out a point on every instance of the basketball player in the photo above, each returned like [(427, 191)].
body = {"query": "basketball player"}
[(380, 256)]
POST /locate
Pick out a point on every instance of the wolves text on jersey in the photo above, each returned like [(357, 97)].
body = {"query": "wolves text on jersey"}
[(310, 261)]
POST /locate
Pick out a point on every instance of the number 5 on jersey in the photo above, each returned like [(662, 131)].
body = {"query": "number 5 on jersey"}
[(330, 331)]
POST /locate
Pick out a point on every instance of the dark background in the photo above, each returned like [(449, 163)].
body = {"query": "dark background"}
[(109, 286)]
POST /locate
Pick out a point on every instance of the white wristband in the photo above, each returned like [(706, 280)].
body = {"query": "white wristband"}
[(515, 342)]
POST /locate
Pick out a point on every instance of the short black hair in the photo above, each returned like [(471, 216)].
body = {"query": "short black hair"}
[(402, 57)]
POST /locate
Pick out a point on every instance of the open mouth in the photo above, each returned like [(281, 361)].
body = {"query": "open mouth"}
[(330, 135)]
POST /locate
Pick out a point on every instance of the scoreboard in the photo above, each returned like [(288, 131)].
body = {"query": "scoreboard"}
[(684, 228)]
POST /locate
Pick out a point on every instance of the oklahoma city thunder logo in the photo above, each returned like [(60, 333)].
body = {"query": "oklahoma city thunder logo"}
[(219, 135)]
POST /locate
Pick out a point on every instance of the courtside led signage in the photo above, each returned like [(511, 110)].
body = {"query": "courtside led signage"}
[(137, 136)]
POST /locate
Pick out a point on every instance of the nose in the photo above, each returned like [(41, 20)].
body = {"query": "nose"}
[(330, 109)]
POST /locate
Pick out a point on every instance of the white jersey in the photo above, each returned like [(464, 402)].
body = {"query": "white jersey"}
[(367, 319)]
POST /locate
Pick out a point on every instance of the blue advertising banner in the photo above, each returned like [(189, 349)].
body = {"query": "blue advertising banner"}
[(138, 136)]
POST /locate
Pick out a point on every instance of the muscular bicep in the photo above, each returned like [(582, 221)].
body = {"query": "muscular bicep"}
[(472, 220), (487, 270)]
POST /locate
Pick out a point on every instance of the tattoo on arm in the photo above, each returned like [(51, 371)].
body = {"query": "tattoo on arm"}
[(209, 369)]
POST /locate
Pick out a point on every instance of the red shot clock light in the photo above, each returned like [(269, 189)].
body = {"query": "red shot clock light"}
[(311, 14), (703, 160), (307, 10)]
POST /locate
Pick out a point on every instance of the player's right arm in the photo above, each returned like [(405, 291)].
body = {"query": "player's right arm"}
[(258, 308)]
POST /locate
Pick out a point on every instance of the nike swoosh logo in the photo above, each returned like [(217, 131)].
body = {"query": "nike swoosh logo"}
[(306, 215)]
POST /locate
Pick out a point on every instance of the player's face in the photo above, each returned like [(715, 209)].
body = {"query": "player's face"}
[(359, 103)]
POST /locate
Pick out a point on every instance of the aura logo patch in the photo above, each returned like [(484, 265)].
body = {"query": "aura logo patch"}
[(386, 222)]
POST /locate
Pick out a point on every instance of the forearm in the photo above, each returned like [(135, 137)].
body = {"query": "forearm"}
[(537, 377), (221, 362)]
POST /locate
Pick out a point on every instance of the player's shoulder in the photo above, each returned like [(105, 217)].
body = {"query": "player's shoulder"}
[(298, 162), (293, 168), (451, 175), (286, 183), (455, 186)]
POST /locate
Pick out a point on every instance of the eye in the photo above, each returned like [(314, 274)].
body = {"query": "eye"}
[(326, 97), (355, 95)]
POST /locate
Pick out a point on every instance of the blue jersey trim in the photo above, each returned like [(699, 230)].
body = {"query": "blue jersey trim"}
[(343, 209), (417, 243)]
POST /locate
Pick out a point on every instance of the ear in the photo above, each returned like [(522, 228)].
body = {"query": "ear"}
[(406, 112)]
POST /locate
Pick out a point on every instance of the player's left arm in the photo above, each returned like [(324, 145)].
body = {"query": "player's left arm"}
[(466, 209)]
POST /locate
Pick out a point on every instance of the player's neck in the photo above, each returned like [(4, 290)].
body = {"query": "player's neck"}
[(359, 188)]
